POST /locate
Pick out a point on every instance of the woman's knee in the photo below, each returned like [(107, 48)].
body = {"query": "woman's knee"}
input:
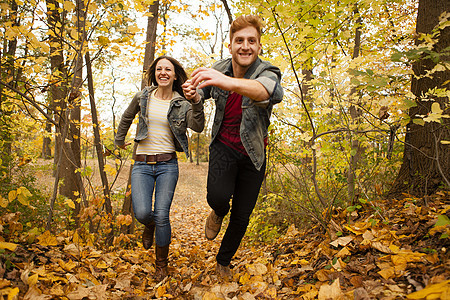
[(162, 217), (143, 217)]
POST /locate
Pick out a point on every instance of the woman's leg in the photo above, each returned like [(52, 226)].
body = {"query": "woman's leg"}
[(142, 185), (166, 181)]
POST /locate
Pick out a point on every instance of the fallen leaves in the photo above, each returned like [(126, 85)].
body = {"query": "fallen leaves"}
[(434, 291), (404, 255)]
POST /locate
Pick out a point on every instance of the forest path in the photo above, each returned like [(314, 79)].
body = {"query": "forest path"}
[(301, 264)]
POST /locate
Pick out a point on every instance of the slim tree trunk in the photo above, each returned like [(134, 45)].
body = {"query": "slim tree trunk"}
[(149, 56), (198, 149), (98, 147), (355, 113)]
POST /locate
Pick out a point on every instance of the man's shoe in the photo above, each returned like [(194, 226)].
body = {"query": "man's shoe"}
[(224, 272), (213, 224), (147, 235)]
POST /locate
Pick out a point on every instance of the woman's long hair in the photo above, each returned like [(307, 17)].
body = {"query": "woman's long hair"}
[(180, 73)]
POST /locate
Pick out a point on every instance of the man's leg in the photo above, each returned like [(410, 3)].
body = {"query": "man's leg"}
[(222, 172), (248, 184)]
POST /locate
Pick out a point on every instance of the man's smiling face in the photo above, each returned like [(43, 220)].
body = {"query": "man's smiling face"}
[(245, 48)]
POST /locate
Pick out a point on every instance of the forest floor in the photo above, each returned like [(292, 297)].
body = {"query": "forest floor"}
[(401, 253)]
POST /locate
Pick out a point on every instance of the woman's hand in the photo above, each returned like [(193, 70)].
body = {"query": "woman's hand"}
[(124, 146), (190, 91)]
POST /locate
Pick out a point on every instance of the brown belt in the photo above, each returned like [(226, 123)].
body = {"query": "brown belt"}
[(153, 159)]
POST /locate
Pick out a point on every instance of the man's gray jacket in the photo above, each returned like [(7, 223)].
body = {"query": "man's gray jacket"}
[(255, 114)]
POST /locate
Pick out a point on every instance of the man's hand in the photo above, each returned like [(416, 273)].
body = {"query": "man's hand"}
[(190, 91), (252, 89), (202, 77)]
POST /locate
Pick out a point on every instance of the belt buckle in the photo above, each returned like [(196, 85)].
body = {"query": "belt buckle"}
[(151, 162)]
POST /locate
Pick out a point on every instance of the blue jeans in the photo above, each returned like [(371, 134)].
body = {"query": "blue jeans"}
[(161, 178)]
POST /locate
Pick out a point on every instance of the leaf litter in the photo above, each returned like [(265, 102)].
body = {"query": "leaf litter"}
[(404, 255)]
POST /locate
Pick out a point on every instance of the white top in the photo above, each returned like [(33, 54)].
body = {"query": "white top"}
[(159, 137)]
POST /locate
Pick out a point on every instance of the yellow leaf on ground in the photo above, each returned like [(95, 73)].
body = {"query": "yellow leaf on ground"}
[(210, 296), (67, 266), (12, 195), (434, 291), (323, 275), (9, 246), (47, 239), (310, 295), (33, 279), (387, 273), (411, 256), (257, 269), (342, 241), (358, 228), (13, 293), (4, 283), (381, 247), (3, 202), (331, 291), (86, 276), (398, 260), (343, 252), (161, 291), (244, 278)]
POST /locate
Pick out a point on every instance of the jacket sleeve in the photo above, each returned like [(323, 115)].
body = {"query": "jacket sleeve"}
[(127, 119), (195, 117), (270, 78)]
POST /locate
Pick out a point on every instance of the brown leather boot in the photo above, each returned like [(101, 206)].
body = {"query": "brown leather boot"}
[(212, 226), (161, 262), (224, 272), (147, 235)]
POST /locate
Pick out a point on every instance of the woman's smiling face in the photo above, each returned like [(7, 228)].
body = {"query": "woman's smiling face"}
[(165, 73)]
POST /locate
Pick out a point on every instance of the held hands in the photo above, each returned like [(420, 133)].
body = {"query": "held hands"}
[(203, 77), (190, 91)]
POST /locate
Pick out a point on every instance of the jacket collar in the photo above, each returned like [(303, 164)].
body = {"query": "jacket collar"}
[(250, 71)]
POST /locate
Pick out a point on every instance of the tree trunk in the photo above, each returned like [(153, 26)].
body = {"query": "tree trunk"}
[(198, 149), (58, 81), (46, 142), (72, 185), (426, 161), (127, 208), (98, 148), (9, 74), (149, 56), (355, 113)]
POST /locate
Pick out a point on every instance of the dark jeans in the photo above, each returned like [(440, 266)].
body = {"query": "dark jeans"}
[(232, 175)]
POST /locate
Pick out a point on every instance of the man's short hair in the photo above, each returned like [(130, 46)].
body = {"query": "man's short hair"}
[(244, 21)]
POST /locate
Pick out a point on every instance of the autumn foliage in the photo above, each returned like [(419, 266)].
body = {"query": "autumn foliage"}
[(366, 99), (399, 253)]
